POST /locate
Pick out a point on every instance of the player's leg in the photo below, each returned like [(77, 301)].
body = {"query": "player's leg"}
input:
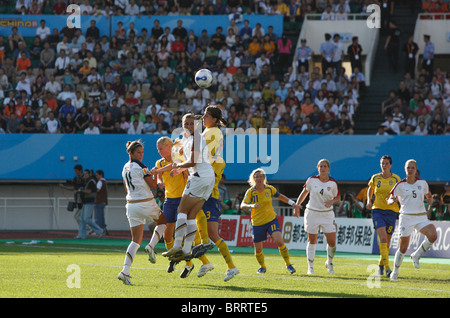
[(191, 229), (284, 251), (399, 255), (206, 264), (137, 232), (430, 237), (260, 257), (312, 224), (158, 233), (380, 226), (185, 206), (311, 252), (331, 250), (202, 225)]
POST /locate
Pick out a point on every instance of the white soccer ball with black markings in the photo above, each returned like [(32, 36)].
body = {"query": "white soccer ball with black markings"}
[(203, 78)]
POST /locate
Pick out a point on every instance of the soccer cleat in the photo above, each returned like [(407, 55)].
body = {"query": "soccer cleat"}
[(394, 275), (231, 272), (329, 267), (186, 271), (124, 278), (380, 270), (171, 252), (261, 270), (171, 267), (151, 254), (196, 249), (200, 250), (415, 260), (388, 272), (179, 256), (204, 269), (310, 268), (291, 269)]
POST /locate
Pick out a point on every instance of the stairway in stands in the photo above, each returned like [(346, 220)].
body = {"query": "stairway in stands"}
[(383, 79)]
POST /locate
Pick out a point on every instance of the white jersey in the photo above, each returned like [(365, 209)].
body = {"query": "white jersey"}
[(203, 166), (411, 196), (133, 174), (320, 192)]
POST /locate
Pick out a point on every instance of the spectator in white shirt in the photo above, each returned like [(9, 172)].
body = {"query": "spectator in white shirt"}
[(132, 8), (328, 14), (86, 8), (52, 86), (390, 126), (224, 53), (63, 45), (92, 129), (24, 84), (52, 124), (140, 75), (61, 63), (136, 127), (43, 31)]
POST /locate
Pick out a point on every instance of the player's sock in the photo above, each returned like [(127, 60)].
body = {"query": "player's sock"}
[(425, 246), (180, 230), (191, 230), (285, 254), (169, 244), (330, 253), (398, 259), (310, 252), (202, 225), (223, 249), (198, 241), (129, 257), (157, 235), (260, 259), (384, 255)]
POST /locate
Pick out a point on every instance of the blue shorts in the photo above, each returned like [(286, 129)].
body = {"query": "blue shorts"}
[(384, 218), (212, 209), (170, 209), (260, 231)]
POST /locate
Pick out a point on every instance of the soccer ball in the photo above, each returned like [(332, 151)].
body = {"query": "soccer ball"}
[(203, 78)]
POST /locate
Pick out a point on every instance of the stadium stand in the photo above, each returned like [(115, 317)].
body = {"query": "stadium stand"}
[(140, 81)]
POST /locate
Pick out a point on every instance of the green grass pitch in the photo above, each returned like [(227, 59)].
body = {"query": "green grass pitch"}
[(67, 268)]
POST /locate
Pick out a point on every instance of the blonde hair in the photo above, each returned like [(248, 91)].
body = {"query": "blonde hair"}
[(409, 161), (251, 179), (164, 141), (133, 145), (323, 160)]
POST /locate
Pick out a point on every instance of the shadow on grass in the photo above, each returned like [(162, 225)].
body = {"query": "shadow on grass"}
[(272, 292)]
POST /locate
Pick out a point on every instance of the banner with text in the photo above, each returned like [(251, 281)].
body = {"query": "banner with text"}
[(352, 235)]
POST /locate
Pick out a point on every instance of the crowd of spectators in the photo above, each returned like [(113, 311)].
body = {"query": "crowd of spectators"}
[(141, 81), (418, 107)]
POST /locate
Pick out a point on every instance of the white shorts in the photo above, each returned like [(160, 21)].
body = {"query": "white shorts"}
[(407, 223), (199, 187), (314, 220), (138, 213)]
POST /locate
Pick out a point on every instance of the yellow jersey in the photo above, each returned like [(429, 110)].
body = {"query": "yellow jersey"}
[(174, 185), (382, 188), (265, 213), (214, 141)]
